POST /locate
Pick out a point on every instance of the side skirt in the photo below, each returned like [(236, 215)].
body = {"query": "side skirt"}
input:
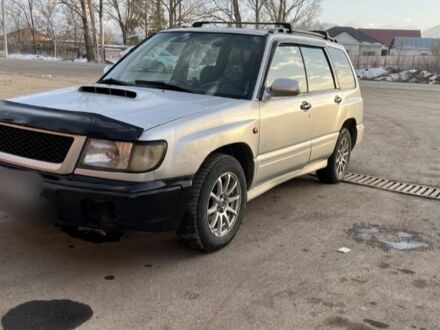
[(264, 187)]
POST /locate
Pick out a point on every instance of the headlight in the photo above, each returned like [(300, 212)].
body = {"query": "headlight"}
[(122, 156)]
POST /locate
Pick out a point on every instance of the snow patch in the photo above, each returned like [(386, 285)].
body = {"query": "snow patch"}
[(370, 73), (32, 57), (80, 60), (394, 74)]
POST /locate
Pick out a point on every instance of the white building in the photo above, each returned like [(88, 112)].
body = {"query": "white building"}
[(357, 43)]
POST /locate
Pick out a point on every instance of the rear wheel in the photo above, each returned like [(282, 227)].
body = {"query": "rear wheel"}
[(338, 162), (217, 205)]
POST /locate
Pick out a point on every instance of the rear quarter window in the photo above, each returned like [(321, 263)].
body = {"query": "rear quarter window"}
[(343, 68)]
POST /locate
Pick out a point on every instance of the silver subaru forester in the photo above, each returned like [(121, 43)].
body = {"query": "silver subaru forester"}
[(187, 128)]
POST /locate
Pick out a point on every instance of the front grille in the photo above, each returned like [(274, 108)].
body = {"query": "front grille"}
[(34, 145)]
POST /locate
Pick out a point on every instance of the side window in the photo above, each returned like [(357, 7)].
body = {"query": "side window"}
[(287, 63), (319, 74), (343, 68)]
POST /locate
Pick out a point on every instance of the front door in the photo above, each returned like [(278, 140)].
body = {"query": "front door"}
[(285, 123)]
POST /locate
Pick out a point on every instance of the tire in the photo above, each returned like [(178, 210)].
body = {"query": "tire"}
[(160, 67), (209, 224), (337, 166)]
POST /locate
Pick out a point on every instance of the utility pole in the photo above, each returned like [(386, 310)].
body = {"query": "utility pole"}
[(5, 36), (101, 30)]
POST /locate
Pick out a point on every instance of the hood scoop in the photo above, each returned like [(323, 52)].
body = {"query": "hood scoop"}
[(108, 91)]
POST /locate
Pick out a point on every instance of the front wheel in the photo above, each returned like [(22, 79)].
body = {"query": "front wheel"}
[(338, 162), (217, 205)]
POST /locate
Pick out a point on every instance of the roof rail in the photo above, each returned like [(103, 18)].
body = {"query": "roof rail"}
[(319, 34), (286, 26), (323, 33)]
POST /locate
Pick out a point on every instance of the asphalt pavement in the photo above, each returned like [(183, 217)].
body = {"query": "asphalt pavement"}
[(50, 68), (282, 271)]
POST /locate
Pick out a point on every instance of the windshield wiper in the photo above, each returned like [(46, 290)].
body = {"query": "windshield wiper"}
[(162, 85), (113, 81)]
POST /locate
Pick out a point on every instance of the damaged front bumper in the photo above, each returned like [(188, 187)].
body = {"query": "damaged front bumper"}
[(80, 201)]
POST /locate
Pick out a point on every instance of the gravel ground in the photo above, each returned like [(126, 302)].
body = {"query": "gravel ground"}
[(282, 271)]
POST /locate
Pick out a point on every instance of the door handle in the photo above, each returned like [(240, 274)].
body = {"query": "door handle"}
[(306, 106), (338, 99)]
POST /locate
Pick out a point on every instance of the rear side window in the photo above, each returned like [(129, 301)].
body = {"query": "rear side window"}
[(319, 74), (287, 63), (343, 68)]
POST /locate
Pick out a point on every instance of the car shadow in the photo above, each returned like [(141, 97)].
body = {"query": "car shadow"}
[(43, 242)]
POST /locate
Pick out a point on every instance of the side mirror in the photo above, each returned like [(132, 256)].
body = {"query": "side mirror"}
[(285, 87), (107, 69)]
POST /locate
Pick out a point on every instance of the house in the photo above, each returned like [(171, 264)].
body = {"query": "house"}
[(357, 43), (386, 36), (405, 46), (24, 35)]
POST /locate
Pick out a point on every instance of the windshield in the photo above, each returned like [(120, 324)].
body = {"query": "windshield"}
[(204, 63)]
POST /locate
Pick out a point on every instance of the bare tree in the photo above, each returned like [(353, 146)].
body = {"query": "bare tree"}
[(308, 18), (5, 35), (192, 10), (101, 30), (87, 40), (257, 7), (91, 11), (73, 25), (48, 10), (126, 15), (227, 11), (19, 24), (292, 11), (27, 9), (158, 21), (236, 12), (171, 7), (145, 20), (82, 11)]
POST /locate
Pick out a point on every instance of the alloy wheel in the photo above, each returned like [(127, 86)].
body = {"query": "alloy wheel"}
[(342, 156), (224, 204)]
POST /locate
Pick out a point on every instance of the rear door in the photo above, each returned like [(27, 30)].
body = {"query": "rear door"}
[(352, 104), (325, 102)]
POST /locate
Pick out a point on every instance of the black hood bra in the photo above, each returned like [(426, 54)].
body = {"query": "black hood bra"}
[(70, 122)]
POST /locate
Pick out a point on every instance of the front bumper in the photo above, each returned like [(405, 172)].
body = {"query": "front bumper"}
[(116, 205)]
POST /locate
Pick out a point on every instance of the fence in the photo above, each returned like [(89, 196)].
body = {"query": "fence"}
[(67, 50), (405, 62)]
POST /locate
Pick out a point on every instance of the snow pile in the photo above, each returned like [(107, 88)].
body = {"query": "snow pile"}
[(393, 74), (370, 73), (34, 57), (411, 76), (80, 60)]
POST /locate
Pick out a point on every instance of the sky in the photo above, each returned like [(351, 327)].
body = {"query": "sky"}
[(420, 14)]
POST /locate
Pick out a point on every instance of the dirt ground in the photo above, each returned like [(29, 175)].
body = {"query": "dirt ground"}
[(282, 271), (18, 84)]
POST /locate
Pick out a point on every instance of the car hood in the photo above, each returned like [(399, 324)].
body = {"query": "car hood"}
[(150, 107)]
